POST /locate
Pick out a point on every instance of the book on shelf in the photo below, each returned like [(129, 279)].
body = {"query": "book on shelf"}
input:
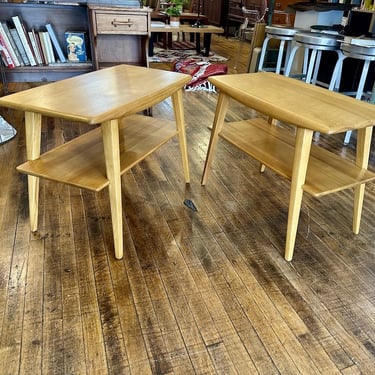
[(20, 27), (7, 45), (55, 43), (51, 54), (360, 41), (5, 55), (38, 57), (19, 45), (47, 48), (43, 46), (76, 46), (38, 45), (17, 59)]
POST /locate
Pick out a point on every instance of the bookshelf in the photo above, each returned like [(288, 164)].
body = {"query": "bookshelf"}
[(63, 18)]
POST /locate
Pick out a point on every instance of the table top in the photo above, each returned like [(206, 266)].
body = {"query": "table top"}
[(101, 95), (296, 102), (188, 29)]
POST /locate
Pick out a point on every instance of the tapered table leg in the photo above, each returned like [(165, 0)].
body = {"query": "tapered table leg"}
[(363, 152), (300, 162), (221, 110), (33, 128), (180, 123), (110, 131)]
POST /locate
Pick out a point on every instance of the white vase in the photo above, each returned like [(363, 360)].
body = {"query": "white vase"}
[(174, 21)]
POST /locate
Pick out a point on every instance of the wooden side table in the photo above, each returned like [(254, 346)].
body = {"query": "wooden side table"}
[(207, 32), (112, 97), (309, 108)]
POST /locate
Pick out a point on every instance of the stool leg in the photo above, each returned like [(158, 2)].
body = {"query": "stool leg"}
[(334, 85), (362, 81), (311, 66), (263, 54), (359, 94), (305, 61), (289, 64), (287, 55), (316, 68), (280, 56)]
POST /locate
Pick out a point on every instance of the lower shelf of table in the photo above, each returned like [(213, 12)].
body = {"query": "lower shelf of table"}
[(273, 146), (81, 163)]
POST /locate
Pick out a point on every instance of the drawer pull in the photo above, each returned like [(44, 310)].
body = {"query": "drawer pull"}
[(122, 23)]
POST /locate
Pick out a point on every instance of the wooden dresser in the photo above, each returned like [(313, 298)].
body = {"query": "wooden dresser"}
[(119, 35)]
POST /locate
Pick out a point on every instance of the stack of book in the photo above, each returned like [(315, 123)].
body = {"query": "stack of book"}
[(22, 47)]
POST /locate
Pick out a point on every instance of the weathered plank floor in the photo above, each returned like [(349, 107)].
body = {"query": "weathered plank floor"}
[(204, 292)]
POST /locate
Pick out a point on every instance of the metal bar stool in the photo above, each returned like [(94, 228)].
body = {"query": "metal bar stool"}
[(365, 54), (285, 35), (313, 44)]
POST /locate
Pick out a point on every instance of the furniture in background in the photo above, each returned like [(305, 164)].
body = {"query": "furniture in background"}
[(292, 154), (284, 35), (313, 45), (119, 35), (186, 18), (63, 18), (207, 32), (245, 32), (255, 13), (215, 10), (273, 13), (256, 47), (113, 35), (97, 159), (237, 16)]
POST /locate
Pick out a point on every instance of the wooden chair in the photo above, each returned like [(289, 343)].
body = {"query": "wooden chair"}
[(253, 12), (256, 46)]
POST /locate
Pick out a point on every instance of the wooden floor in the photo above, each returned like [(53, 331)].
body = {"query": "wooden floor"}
[(204, 292)]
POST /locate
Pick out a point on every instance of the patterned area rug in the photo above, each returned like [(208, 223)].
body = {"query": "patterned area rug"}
[(182, 51), (200, 72)]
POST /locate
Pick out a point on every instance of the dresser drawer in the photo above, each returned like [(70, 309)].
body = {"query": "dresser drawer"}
[(121, 23)]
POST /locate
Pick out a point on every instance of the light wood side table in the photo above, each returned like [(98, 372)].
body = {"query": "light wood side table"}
[(309, 108), (111, 97)]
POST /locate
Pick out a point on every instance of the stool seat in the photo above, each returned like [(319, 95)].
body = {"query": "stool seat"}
[(280, 31), (317, 40), (314, 44), (285, 35), (358, 52)]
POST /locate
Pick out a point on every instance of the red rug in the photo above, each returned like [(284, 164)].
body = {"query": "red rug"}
[(200, 71)]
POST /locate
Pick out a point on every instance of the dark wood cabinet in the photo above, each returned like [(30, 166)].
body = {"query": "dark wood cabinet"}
[(215, 10), (234, 11)]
